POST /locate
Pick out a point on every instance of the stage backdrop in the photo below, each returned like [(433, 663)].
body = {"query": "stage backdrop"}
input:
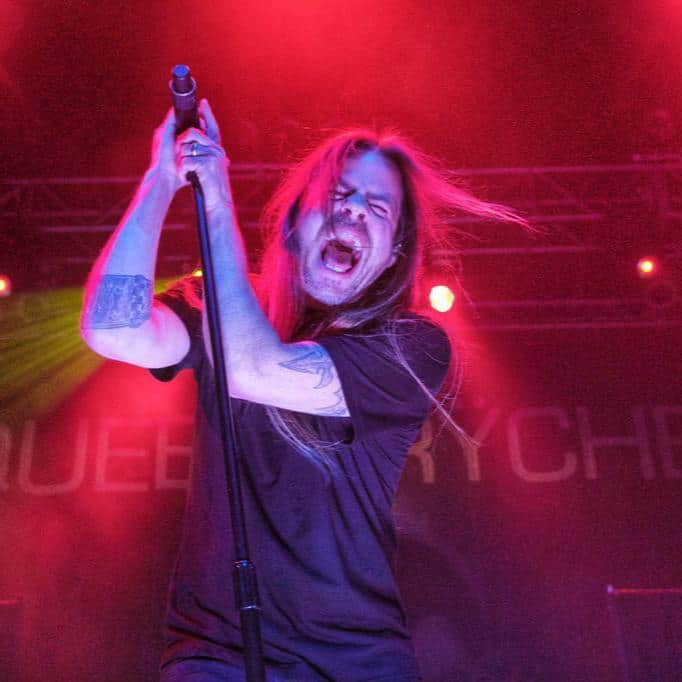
[(507, 548)]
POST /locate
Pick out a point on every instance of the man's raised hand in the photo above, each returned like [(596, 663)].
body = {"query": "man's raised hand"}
[(163, 152), (200, 151)]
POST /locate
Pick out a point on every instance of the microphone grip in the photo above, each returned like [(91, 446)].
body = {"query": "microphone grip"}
[(183, 90)]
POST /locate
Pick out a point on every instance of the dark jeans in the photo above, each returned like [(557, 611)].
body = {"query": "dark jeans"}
[(210, 670)]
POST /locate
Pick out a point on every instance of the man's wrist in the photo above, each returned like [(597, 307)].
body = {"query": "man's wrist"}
[(224, 208), (163, 183)]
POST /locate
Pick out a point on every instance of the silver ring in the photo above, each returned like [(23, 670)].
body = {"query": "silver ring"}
[(195, 146)]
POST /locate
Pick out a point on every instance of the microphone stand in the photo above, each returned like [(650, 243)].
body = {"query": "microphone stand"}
[(243, 570)]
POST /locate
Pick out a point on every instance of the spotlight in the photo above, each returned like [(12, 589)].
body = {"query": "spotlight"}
[(647, 267), (197, 273), (5, 286), (441, 298)]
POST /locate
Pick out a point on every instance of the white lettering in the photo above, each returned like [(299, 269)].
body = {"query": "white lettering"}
[(666, 440), (105, 453), (421, 449), (516, 419), (26, 462), (639, 441), (471, 445), (165, 450)]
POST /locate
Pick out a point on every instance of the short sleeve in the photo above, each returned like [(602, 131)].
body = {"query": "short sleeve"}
[(184, 299), (380, 391)]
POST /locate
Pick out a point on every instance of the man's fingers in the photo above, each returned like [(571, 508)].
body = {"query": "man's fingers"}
[(168, 125), (212, 128), (195, 135), (195, 143), (195, 149)]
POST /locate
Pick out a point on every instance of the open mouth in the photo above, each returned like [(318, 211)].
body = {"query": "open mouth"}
[(340, 257)]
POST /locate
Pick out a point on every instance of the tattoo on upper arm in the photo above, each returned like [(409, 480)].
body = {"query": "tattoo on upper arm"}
[(313, 360), (122, 301), (338, 409)]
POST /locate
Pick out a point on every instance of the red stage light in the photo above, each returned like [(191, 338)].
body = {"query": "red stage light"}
[(647, 267), (5, 286), (441, 298)]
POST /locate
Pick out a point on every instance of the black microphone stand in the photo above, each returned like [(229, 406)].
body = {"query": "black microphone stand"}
[(243, 569)]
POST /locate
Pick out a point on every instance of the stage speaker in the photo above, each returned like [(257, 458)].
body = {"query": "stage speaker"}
[(647, 629)]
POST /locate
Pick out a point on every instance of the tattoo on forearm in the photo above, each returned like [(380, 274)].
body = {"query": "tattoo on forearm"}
[(122, 301), (313, 360), (338, 409)]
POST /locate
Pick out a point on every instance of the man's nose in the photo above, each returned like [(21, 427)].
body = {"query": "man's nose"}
[(354, 207)]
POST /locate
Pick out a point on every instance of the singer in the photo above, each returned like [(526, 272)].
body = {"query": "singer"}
[(331, 376)]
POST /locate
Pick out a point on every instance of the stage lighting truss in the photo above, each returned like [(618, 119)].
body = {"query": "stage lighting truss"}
[(593, 221)]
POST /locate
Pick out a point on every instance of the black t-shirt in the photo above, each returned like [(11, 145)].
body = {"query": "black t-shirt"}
[(323, 544)]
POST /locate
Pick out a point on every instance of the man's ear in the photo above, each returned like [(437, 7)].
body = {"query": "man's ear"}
[(395, 253)]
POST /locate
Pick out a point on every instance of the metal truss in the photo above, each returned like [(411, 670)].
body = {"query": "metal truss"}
[(580, 211)]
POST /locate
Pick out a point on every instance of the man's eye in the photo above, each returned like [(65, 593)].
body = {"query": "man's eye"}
[(337, 194), (379, 210)]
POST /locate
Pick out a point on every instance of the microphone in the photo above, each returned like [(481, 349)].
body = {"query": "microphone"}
[(183, 89)]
